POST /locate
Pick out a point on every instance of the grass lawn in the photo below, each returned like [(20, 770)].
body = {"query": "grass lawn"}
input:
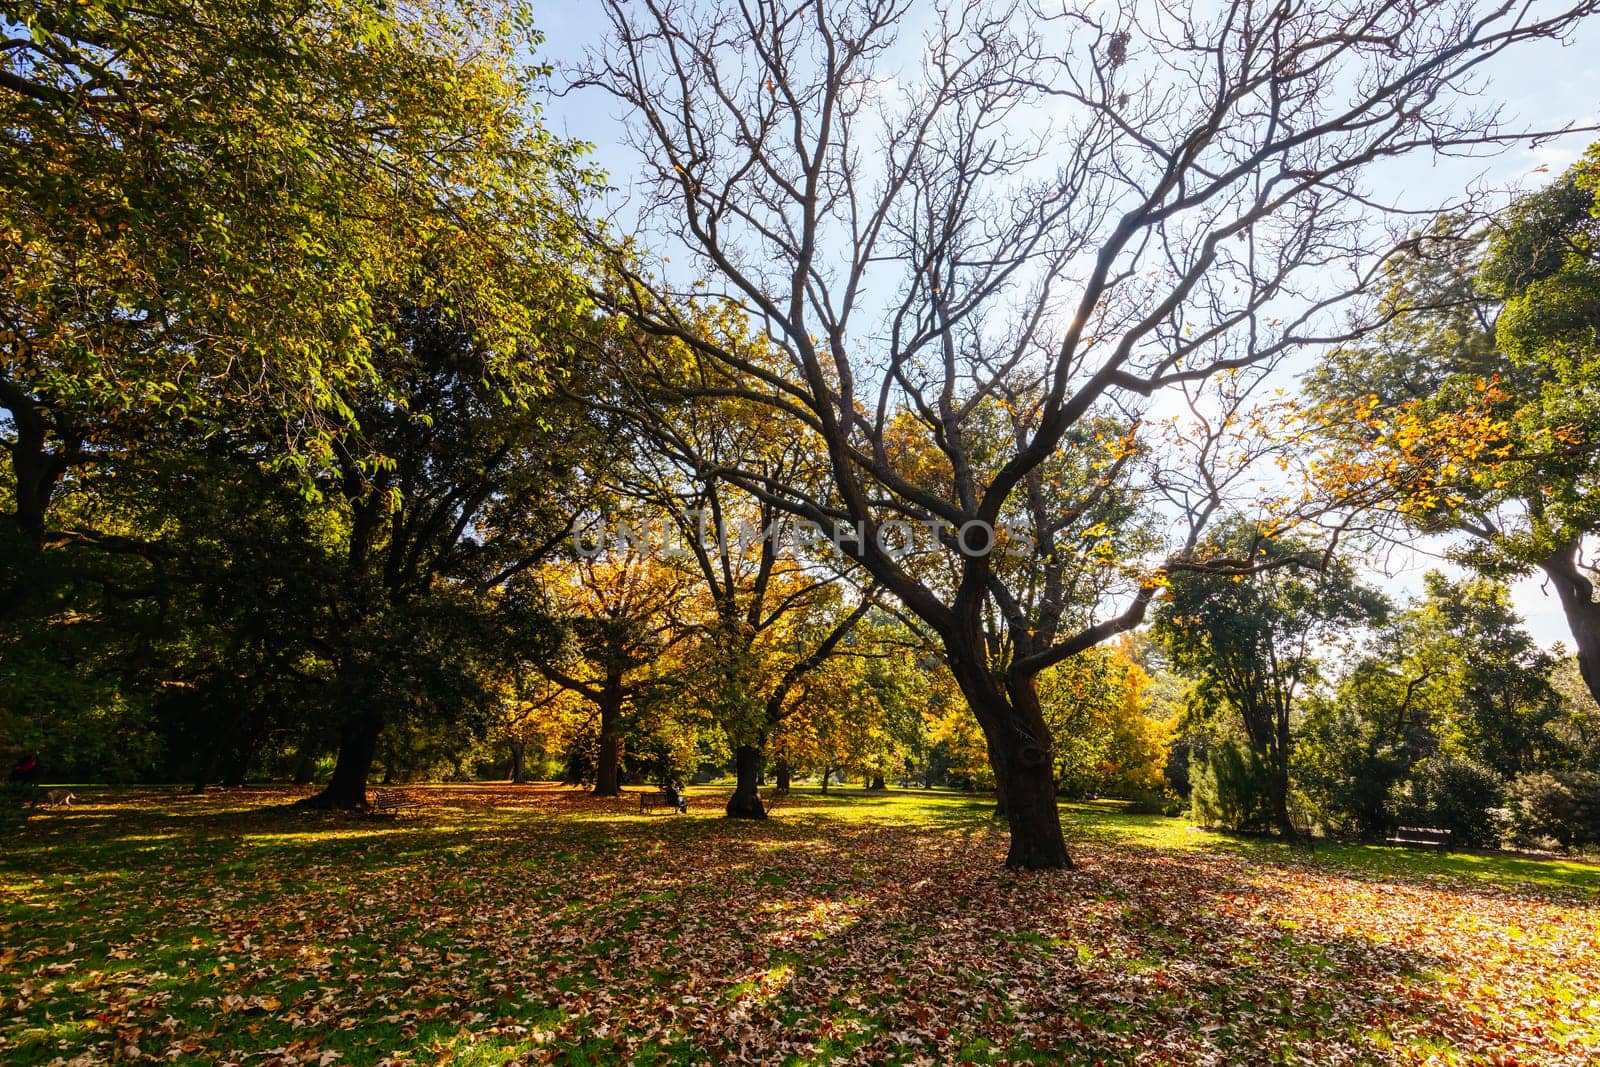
[(536, 924)]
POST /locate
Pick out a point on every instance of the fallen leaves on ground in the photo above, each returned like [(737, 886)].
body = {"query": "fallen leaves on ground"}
[(537, 925)]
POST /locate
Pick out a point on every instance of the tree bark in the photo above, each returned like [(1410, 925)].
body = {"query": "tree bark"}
[(995, 765), (577, 767), (783, 774), (608, 763), (827, 772), (1576, 593), (36, 469), (1032, 815), (1030, 804), (519, 769), (1280, 777), (358, 747), (876, 783), (746, 800), (1280, 801), (1019, 750), (37, 478), (36, 473)]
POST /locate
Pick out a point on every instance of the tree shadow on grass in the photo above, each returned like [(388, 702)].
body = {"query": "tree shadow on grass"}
[(167, 832), (473, 927), (1130, 954)]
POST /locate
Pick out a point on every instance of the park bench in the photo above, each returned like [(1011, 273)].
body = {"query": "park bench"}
[(393, 800), (1420, 836), (658, 799)]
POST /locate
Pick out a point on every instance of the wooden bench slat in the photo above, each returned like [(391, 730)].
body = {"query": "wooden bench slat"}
[(658, 799), (1431, 836), (393, 800)]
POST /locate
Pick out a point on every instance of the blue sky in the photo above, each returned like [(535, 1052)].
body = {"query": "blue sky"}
[(1542, 85)]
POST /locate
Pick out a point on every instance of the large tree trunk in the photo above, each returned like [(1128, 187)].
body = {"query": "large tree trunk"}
[(1576, 593), (37, 471), (519, 769), (608, 763), (783, 775), (358, 746), (36, 485), (1280, 799), (1032, 814), (995, 765), (1019, 750), (36, 474), (746, 800), (1279, 767)]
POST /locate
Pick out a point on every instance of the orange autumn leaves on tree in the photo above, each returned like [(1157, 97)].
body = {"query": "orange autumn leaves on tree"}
[(1106, 742), (861, 710), (1471, 404), (1426, 461), (620, 627)]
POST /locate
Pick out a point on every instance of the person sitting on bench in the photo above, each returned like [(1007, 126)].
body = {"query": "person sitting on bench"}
[(674, 791), (26, 772)]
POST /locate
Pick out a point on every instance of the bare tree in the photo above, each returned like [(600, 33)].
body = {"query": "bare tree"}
[(986, 237)]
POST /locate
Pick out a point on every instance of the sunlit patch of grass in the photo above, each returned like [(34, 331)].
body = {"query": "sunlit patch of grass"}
[(1488, 867), (369, 835)]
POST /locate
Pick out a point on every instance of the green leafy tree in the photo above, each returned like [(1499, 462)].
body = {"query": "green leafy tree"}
[(188, 653), (1474, 409), (1560, 809), (477, 486), (1455, 676), (1357, 743), (332, 240), (1252, 639), (1453, 794), (203, 203), (1496, 701), (1575, 729), (1232, 788)]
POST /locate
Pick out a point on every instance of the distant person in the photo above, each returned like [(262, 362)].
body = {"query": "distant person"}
[(675, 797), (26, 772)]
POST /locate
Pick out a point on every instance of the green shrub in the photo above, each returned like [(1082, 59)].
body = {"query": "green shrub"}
[(1154, 802), (1452, 794), (1561, 810), (1230, 789)]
